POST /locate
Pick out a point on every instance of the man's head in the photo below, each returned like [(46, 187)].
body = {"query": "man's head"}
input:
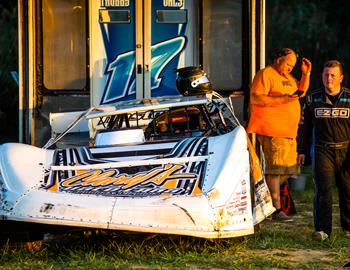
[(285, 60), (332, 76)]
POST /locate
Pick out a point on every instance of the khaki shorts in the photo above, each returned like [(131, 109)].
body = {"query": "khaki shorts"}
[(280, 155)]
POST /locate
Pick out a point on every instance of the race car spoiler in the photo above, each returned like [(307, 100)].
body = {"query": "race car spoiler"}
[(133, 163)]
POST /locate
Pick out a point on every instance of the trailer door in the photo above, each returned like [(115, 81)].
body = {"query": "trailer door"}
[(172, 44), (136, 45)]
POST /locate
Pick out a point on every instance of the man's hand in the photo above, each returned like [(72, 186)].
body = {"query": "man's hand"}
[(301, 159), (298, 93), (306, 66)]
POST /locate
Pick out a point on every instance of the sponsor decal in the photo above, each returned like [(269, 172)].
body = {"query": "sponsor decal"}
[(147, 180), (115, 3), (244, 186), (261, 193), (238, 204), (287, 83), (167, 180), (173, 3), (332, 112)]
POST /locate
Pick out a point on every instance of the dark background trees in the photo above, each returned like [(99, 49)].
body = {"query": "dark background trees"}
[(8, 63), (317, 29)]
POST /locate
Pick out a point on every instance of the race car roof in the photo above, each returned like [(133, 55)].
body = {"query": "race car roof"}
[(143, 105)]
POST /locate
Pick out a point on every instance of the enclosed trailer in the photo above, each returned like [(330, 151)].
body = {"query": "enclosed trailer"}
[(155, 161), (74, 54)]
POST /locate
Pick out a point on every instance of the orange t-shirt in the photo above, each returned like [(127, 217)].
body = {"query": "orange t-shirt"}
[(278, 120)]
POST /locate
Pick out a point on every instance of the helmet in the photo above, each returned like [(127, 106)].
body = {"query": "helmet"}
[(192, 81)]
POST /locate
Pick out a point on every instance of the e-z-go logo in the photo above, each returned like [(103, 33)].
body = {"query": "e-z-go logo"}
[(332, 112)]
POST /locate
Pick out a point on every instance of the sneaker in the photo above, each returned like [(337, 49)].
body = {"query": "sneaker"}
[(319, 236), (346, 234), (279, 215)]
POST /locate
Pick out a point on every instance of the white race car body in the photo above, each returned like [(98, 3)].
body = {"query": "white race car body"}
[(189, 182)]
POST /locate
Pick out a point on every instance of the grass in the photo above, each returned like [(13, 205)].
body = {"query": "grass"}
[(273, 246)]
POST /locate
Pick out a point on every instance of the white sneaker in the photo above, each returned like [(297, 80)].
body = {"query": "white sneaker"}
[(319, 236)]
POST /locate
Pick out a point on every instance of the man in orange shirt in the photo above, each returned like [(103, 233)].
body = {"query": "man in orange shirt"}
[(275, 114)]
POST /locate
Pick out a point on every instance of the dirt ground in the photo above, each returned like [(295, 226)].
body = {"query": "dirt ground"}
[(314, 253)]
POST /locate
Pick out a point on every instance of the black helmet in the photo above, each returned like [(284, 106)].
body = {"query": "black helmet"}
[(192, 81)]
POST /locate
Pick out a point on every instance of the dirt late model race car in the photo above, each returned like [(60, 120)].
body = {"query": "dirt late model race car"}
[(173, 165)]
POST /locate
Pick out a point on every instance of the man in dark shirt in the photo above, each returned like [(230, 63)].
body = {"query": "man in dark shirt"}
[(325, 118)]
